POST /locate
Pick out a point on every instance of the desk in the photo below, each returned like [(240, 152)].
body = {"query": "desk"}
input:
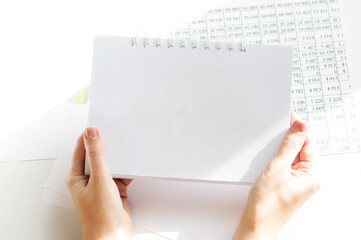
[(334, 213)]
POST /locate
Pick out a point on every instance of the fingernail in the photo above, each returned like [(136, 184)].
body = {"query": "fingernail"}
[(91, 132), (299, 126)]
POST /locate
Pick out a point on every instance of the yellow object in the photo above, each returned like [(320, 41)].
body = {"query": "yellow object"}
[(81, 96)]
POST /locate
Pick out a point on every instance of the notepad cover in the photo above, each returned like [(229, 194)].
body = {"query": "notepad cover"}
[(189, 113)]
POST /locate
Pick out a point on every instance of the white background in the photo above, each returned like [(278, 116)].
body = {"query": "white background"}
[(45, 56)]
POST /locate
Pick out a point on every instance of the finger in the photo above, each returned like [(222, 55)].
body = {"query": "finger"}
[(95, 151), (308, 152), (292, 143), (78, 160), (296, 160), (126, 205), (122, 188), (126, 181), (294, 117)]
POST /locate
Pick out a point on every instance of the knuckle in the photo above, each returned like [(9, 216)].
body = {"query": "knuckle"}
[(68, 180), (292, 142), (316, 186), (262, 176), (93, 150), (275, 167)]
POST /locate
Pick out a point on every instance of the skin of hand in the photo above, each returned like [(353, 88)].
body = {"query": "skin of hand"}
[(100, 200), (282, 188)]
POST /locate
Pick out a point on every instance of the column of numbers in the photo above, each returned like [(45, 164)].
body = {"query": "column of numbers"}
[(233, 23), (198, 29), (215, 23), (344, 78), (288, 35), (269, 24), (251, 24)]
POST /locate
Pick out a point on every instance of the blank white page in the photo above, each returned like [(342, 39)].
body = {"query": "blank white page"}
[(189, 113)]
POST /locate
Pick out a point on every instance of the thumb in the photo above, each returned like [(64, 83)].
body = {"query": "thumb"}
[(292, 143), (95, 151)]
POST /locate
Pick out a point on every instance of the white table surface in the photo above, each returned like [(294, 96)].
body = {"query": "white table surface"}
[(24, 216)]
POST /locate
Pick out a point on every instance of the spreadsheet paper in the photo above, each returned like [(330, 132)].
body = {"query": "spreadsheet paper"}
[(321, 92)]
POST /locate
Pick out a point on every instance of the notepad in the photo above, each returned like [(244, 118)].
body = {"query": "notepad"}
[(189, 110)]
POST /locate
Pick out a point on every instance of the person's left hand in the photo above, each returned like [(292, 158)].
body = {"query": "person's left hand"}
[(282, 188), (100, 200)]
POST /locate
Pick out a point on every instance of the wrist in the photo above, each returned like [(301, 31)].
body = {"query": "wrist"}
[(252, 229), (95, 236), (99, 234)]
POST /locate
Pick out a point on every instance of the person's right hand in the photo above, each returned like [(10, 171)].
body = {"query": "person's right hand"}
[(281, 188), (100, 200)]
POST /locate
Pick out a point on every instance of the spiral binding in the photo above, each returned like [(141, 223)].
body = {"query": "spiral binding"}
[(182, 44), (194, 44), (158, 44), (170, 43), (230, 45)]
